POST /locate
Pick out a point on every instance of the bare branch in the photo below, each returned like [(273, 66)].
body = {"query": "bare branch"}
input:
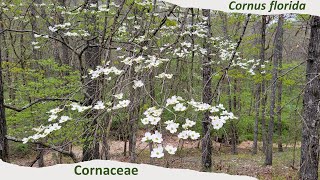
[(38, 101), (64, 152)]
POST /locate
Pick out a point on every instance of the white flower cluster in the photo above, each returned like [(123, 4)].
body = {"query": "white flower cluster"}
[(158, 151), (174, 100), (130, 60), (41, 36), (152, 116), (172, 126), (43, 131), (153, 61), (199, 106), (179, 107), (103, 8), (177, 102), (82, 33), (156, 137), (121, 104), (164, 75), (144, 63), (186, 133), (99, 105), (226, 49), (106, 71), (188, 124), (78, 107), (137, 84), (59, 26), (220, 116), (218, 121), (35, 45)]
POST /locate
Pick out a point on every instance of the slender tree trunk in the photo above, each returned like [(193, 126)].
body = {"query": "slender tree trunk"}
[(4, 155), (65, 51), (277, 56), (263, 85), (234, 137), (257, 93), (206, 162), (133, 120), (310, 122)]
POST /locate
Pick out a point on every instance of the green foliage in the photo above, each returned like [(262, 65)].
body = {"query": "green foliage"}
[(20, 150), (38, 79)]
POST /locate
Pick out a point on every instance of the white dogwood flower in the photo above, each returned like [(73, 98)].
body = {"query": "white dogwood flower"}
[(52, 117), (147, 137), (99, 105), (157, 137), (173, 100), (164, 75), (170, 149), (118, 96), (172, 126), (184, 134), (157, 152), (64, 119), (217, 124), (179, 107), (55, 110), (137, 83), (122, 104), (194, 135), (188, 124), (145, 121)]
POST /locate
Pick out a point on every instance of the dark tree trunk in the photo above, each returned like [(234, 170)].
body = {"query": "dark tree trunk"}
[(278, 54), (206, 162), (133, 117), (92, 60), (310, 122), (4, 156), (263, 84), (133, 122)]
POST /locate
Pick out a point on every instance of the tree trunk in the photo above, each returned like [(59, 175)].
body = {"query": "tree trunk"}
[(257, 95), (206, 162), (65, 59), (133, 123), (278, 55), (92, 60), (263, 84), (4, 156), (310, 122)]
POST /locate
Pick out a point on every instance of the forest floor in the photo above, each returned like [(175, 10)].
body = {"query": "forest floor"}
[(243, 163)]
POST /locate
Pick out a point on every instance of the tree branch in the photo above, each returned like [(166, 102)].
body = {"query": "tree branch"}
[(67, 153), (38, 101)]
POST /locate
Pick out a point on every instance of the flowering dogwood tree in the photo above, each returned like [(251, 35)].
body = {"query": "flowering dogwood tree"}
[(131, 71)]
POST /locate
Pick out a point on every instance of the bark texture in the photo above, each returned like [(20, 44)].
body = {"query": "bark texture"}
[(310, 122), (278, 54), (206, 162), (3, 125)]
